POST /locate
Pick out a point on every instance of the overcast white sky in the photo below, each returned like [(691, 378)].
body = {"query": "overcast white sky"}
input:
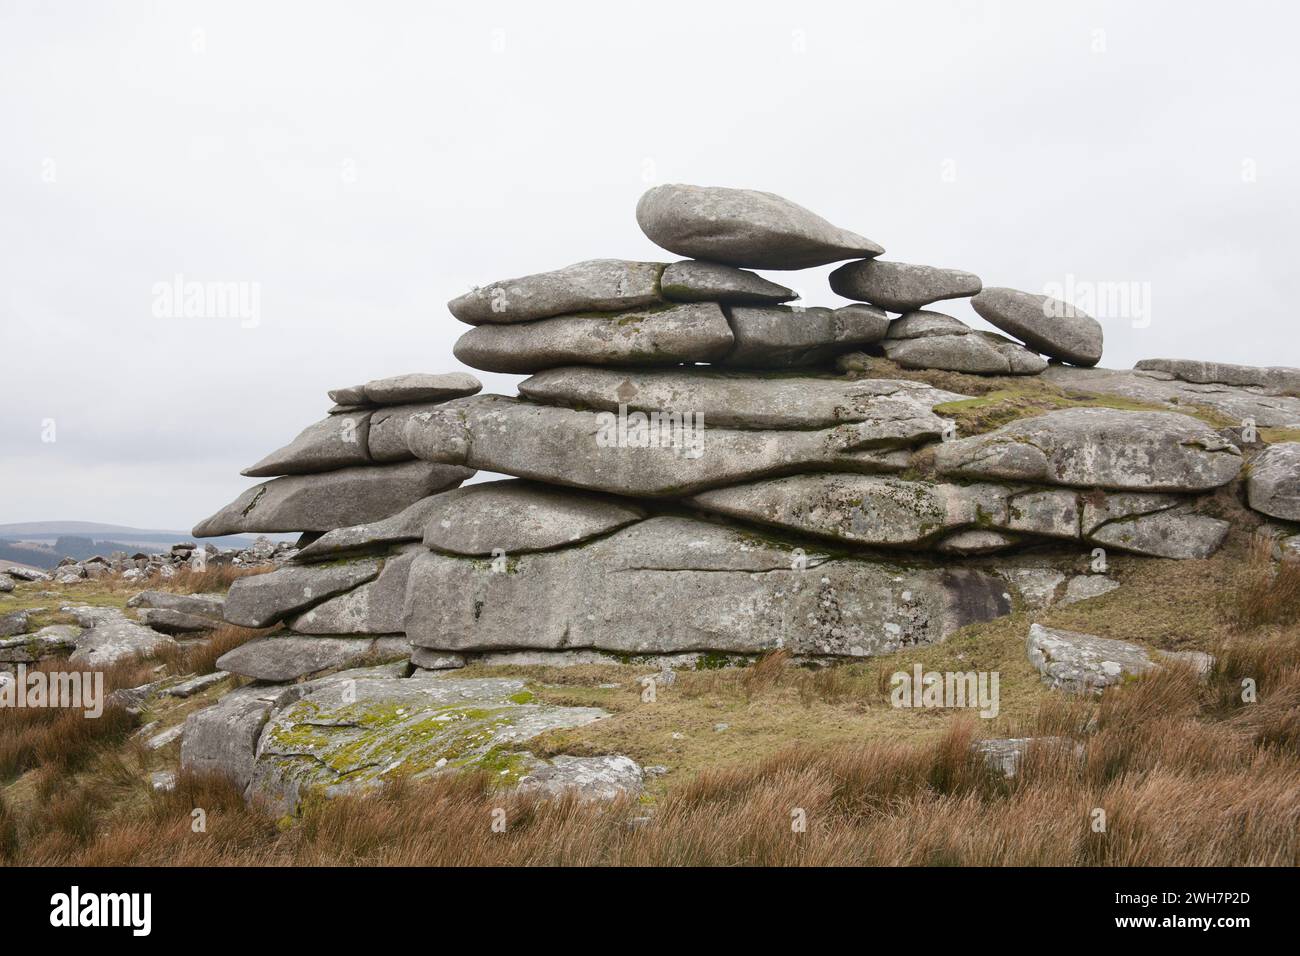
[(365, 162)]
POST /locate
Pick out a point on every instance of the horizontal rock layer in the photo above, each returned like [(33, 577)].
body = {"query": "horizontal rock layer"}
[(732, 399), (334, 499), (1098, 447), (622, 455), (676, 584), (891, 512)]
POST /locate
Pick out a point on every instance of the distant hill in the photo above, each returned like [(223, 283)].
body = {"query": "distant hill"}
[(44, 544)]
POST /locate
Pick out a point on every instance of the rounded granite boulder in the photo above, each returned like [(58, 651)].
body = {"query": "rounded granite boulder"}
[(744, 228), (1047, 325), (901, 286)]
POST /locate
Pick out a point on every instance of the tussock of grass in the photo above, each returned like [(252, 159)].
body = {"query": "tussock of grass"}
[(200, 656), (62, 740), (1263, 591), (215, 578)]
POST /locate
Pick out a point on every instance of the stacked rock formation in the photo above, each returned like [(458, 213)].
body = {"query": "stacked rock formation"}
[(688, 474), (690, 471)]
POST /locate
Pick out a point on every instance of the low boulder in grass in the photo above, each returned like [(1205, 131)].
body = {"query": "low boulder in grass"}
[(1085, 663), (211, 605), (114, 641), (15, 622), (283, 657), (350, 736)]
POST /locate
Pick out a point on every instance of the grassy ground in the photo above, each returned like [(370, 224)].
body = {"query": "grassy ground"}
[(1185, 771)]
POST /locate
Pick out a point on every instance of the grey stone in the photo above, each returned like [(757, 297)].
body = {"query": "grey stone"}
[(50, 641), (692, 281), (115, 641), (260, 600), (743, 400), (431, 660), (587, 778), (1037, 586), (170, 735), (1164, 534), (977, 541), (783, 337), (1266, 409), (1275, 378), (195, 685), (710, 588), (387, 441), (1083, 663), (176, 622), (977, 353), (1273, 486), (864, 509), (210, 605), (285, 657), (346, 738), (6, 584), (351, 397), (745, 228), (163, 780), (222, 738), (371, 608), (15, 622), (583, 449), (88, 615), (901, 286), (25, 574), (331, 500), (1006, 754), (693, 332), (888, 511), (336, 441), (598, 285), (415, 387), (407, 525), (518, 516), (1098, 447), (1084, 587), (922, 323), (1046, 325)]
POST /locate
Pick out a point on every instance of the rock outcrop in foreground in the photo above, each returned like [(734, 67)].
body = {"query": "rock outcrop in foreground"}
[(696, 466)]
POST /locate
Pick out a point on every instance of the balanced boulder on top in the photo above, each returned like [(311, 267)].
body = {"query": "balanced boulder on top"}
[(745, 228), (1047, 325)]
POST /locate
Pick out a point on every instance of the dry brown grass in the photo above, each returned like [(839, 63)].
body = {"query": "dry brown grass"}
[(1264, 591), (199, 656), (1188, 772), (61, 740), (1183, 777), (216, 577)]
